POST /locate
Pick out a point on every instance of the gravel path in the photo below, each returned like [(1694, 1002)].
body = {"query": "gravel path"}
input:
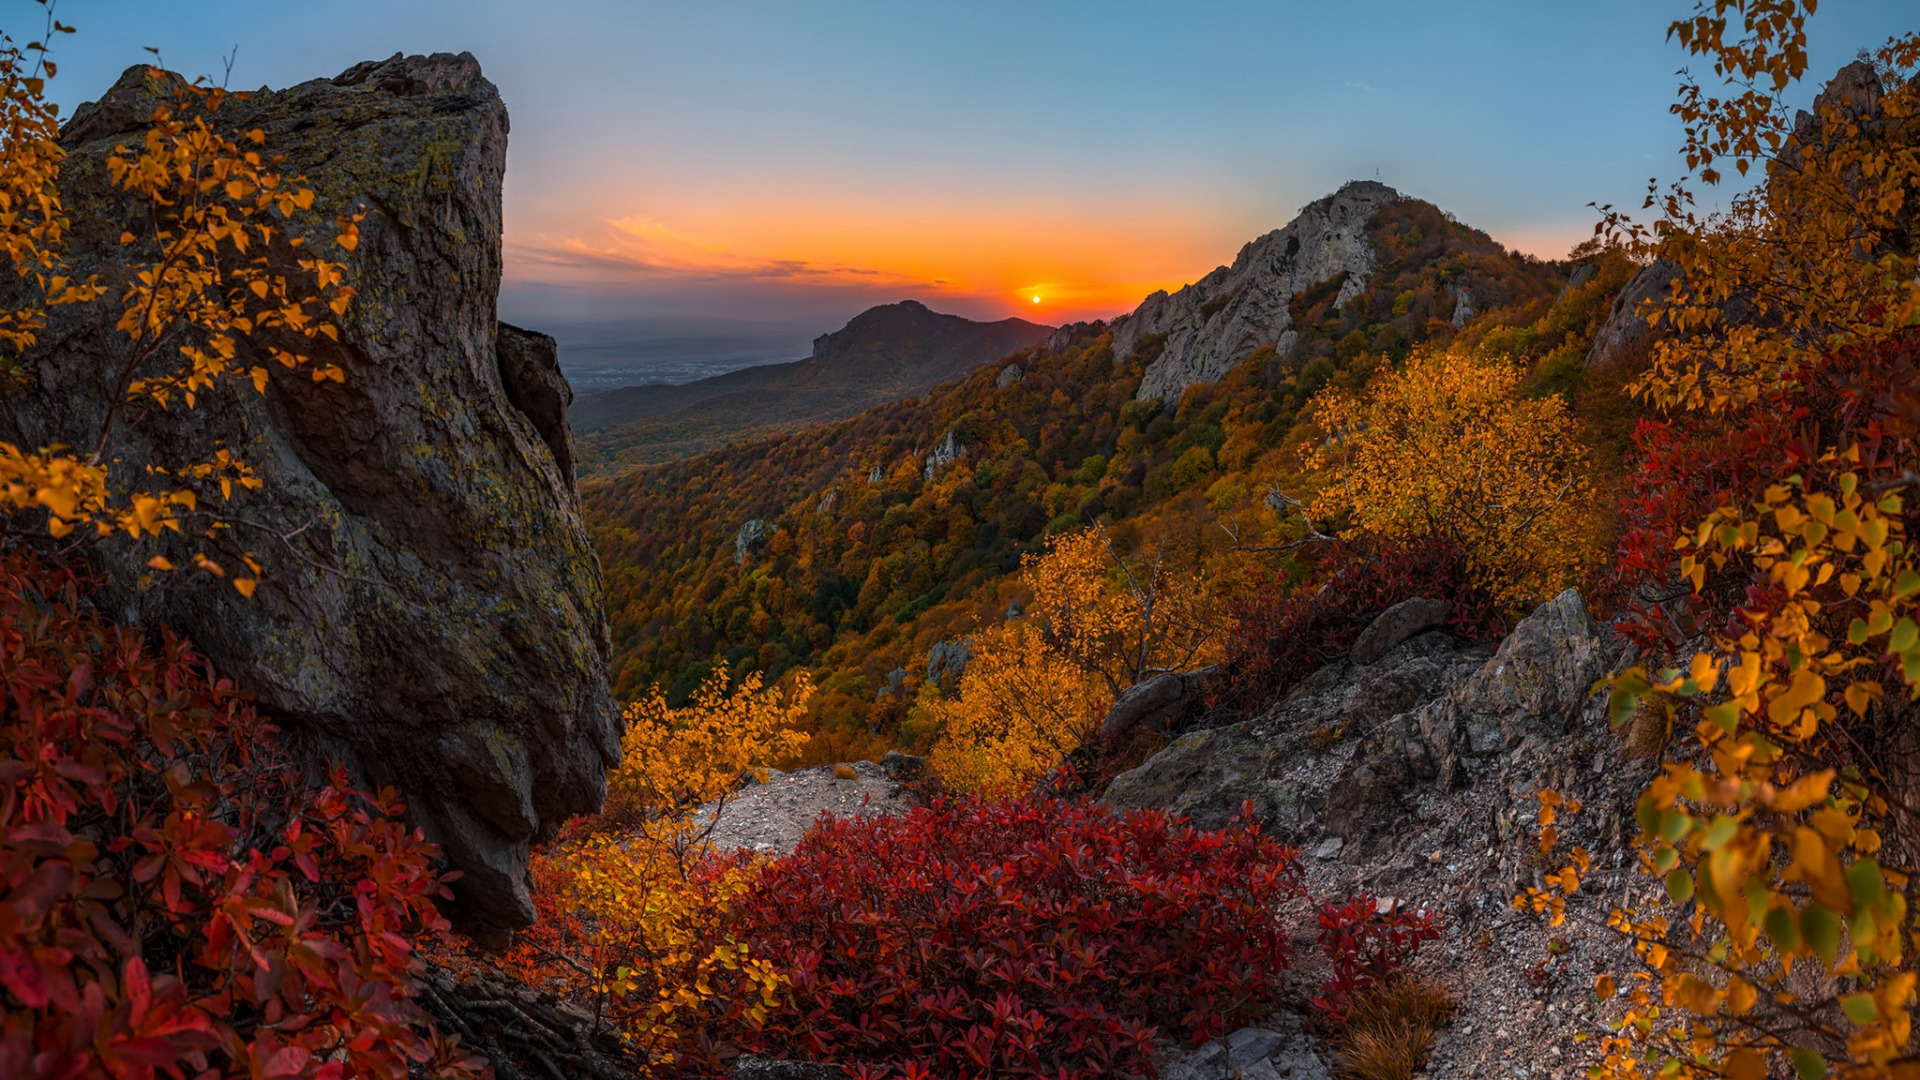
[(772, 817)]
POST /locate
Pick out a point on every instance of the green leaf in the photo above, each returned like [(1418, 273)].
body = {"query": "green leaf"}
[(1726, 714), (1679, 885), (1868, 886), (1856, 631), (1719, 832), (1859, 1009), (1783, 930), (1809, 1064), (1674, 825), (1905, 633), (1821, 929), (1906, 584)]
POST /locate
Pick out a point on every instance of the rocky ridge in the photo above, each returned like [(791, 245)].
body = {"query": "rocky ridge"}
[(1214, 323), (430, 609)]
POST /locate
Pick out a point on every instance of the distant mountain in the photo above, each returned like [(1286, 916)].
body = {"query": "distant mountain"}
[(884, 354)]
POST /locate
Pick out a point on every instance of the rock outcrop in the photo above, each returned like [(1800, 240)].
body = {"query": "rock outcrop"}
[(1211, 325), (1626, 327), (751, 537), (944, 453), (1424, 714), (430, 609)]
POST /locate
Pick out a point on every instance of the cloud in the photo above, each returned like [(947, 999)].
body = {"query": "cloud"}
[(642, 248), (1361, 86)]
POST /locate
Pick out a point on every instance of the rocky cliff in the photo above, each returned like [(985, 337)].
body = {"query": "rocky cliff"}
[(1214, 323), (430, 608)]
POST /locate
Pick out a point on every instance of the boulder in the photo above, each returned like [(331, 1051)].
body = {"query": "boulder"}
[(1396, 624), (901, 766), (430, 609), (1206, 776), (1009, 375), (1163, 697)]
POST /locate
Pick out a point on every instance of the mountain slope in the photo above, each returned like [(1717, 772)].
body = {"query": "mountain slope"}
[(881, 535), (883, 354)]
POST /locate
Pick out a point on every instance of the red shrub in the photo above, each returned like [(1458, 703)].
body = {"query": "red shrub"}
[(1282, 633), (1015, 938), (1367, 945), (175, 896), (1685, 469)]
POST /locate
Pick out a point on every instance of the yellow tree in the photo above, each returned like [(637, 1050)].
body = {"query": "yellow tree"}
[(1036, 690), (1448, 446), (1821, 253), (1020, 708), (209, 263)]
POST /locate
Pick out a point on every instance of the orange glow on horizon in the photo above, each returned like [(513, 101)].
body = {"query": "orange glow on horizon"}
[(981, 261)]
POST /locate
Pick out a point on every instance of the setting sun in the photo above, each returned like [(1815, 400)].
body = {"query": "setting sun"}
[(1036, 299)]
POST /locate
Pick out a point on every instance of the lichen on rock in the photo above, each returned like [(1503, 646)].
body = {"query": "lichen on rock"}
[(431, 609)]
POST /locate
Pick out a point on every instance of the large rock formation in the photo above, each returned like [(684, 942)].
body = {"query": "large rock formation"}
[(1214, 323), (430, 608)]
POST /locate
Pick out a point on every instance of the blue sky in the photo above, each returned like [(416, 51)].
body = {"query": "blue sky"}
[(977, 154)]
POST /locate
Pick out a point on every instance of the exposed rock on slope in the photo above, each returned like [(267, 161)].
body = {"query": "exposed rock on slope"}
[(1413, 777), (1626, 327), (431, 609), (1214, 323)]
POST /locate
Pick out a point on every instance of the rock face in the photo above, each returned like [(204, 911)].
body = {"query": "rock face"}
[(430, 608), (1533, 688), (1625, 326), (753, 536), (1216, 322)]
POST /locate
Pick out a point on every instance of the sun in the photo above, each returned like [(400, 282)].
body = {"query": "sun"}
[(1036, 299)]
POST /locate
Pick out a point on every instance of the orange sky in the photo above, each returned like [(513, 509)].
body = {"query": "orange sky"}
[(997, 262)]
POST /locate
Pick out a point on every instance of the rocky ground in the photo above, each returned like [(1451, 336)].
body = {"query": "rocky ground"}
[(1412, 778), (771, 817)]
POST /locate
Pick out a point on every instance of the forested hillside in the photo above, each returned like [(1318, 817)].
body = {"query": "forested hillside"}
[(883, 354), (906, 526)]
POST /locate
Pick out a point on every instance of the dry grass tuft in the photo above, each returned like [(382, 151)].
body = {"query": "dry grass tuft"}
[(1647, 732), (1390, 1028), (845, 772)]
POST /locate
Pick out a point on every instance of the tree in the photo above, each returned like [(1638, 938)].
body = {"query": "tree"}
[(1781, 826), (1448, 448), (1036, 690), (629, 900)]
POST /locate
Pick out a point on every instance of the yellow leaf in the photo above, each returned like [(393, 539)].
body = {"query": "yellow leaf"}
[(160, 562)]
